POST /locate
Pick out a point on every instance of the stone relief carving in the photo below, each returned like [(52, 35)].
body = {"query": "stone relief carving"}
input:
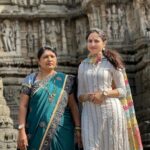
[(94, 17), (115, 22), (14, 1), (131, 20), (8, 36), (8, 136), (42, 42), (52, 29), (1, 38), (34, 2), (81, 35), (63, 39), (30, 39), (22, 2), (109, 30), (147, 17), (12, 94), (146, 78), (144, 17)]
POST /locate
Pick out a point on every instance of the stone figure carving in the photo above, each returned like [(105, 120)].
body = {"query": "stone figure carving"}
[(35, 2), (115, 29), (80, 36), (14, 1), (121, 34), (108, 14), (120, 14), (114, 9), (30, 39), (1, 40), (147, 17), (109, 30), (27, 2), (115, 21), (51, 31), (42, 36), (90, 18), (146, 78), (22, 2), (8, 136), (8, 36)]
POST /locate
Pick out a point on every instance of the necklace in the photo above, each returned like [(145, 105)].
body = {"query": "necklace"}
[(44, 84), (51, 94), (95, 58)]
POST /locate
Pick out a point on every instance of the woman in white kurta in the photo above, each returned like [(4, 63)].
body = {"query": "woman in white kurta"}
[(104, 125)]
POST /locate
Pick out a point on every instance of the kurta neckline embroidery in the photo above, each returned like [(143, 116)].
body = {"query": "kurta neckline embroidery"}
[(89, 60)]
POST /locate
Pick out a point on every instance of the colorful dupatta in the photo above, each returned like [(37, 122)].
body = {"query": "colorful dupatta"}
[(132, 125)]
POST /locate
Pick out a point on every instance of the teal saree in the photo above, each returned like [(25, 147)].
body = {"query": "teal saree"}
[(49, 123)]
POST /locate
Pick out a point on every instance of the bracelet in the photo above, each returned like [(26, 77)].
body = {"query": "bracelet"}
[(21, 126), (105, 94), (77, 128)]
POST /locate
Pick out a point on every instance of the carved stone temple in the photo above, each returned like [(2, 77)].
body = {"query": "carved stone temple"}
[(8, 135), (26, 25)]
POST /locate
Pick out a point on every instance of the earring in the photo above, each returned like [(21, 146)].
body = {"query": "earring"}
[(103, 49)]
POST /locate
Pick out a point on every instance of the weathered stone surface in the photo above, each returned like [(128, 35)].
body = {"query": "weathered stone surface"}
[(8, 135), (27, 25)]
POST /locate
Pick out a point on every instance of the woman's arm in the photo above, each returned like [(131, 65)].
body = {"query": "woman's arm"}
[(118, 89), (74, 110), (76, 117), (22, 137), (118, 85)]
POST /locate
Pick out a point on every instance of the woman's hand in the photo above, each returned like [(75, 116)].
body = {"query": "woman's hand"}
[(97, 97), (86, 97), (78, 138), (22, 142)]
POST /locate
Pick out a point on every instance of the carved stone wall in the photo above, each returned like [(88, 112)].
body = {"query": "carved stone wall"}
[(8, 136), (27, 25)]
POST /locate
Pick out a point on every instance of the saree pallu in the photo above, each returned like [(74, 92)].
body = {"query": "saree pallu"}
[(49, 124)]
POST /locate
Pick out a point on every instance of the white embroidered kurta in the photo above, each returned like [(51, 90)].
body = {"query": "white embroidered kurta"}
[(103, 126)]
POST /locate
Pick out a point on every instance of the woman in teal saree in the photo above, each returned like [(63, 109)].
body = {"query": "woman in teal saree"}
[(48, 111)]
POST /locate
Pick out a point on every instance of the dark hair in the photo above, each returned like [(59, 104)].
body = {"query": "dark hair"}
[(43, 49), (101, 33), (113, 56)]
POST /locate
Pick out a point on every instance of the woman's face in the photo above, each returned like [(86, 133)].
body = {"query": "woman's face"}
[(94, 43), (48, 60)]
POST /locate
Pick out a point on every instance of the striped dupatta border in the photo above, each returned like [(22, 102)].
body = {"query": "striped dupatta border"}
[(132, 125)]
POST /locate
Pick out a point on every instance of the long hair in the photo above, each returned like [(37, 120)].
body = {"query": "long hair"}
[(113, 56)]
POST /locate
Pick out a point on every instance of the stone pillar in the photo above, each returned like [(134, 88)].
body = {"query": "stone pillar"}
[(8, 135)]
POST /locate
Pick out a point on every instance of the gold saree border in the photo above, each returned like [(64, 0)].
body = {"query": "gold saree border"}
[(53, 114)]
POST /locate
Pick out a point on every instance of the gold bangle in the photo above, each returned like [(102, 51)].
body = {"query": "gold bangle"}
[(77, 128)]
